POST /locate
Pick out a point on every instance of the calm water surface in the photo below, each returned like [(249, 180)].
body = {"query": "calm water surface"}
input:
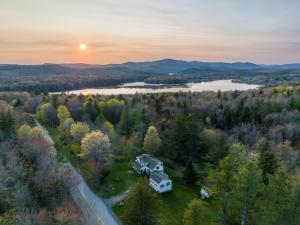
[(141, 87)]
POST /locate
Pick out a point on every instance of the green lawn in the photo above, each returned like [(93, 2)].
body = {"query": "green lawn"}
[(174, 202), (121, 177)]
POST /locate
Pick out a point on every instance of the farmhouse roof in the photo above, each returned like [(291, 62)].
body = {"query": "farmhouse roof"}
[(150, 160), (159, 177), (137, 165)]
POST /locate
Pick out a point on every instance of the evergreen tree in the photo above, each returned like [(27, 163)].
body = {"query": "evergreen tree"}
[(112, 109), (141, 205), (141, 122), (157, 105), (219, 94), (267, 160), (189, 174), (125, 124), (215, 144), (182, 141), (90, 109)]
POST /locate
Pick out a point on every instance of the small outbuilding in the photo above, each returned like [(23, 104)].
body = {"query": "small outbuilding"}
[(204, 194), (160, 182)]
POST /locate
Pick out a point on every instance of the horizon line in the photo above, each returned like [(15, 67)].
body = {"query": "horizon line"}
[(149, 61)]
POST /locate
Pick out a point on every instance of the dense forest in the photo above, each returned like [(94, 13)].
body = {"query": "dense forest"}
[(57, 78), (32, 190), (242, 147)]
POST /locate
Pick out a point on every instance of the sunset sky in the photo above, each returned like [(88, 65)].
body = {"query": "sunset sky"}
[(114, 31)]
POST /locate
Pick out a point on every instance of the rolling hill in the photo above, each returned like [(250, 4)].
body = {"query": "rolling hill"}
[(63, 77)]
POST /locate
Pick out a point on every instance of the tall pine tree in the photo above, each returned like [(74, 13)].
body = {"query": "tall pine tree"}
[(141, 205), (189, 173), (182, 141), (267, 160)]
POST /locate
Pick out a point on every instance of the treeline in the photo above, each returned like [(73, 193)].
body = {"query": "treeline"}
[(57, 78), (31, 186), (49, 78)]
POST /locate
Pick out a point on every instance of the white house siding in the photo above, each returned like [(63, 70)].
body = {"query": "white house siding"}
[(154, 186), (163, 186)]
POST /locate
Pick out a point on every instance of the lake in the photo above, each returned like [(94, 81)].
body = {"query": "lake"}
[(141, 87)]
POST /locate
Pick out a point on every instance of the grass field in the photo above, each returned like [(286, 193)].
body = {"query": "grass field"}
[(121, 177)]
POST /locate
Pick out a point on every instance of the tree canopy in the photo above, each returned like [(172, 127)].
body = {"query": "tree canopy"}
[(96, 145), (152, 142), (141, 205)]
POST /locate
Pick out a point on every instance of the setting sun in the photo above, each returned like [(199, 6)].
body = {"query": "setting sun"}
[(83, 47)]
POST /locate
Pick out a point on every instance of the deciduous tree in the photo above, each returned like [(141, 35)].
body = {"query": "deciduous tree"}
[(78, 131), (248, 185), (96, 145), (47, 114), (63, 113), (152, 142)]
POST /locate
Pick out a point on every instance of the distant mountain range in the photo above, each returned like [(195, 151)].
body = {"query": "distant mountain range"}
[(165, 66), (178, 66)]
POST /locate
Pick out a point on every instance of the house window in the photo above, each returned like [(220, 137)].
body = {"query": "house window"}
[(168, 184), (162, 186)]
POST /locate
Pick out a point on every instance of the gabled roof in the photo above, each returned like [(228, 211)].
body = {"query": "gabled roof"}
[(150, 161), (159, 177), (137, 165)]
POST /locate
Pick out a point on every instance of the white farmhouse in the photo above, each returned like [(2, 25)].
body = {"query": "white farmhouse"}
[(147, 164), (150, 165), (160, 182)]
